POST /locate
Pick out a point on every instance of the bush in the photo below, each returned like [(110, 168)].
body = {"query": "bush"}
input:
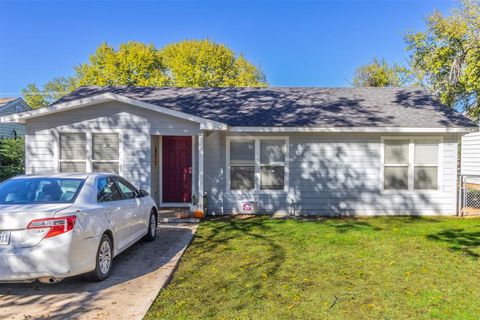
[(12, 152)]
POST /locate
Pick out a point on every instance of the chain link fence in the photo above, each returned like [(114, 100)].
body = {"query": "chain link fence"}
[(469, 195)]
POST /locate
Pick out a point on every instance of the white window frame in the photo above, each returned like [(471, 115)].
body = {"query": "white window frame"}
[(411, 164), (258, 165), (89, 147)]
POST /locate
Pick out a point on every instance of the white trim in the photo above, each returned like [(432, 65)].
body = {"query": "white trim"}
[(201, 145), (194, 167), (26, 157), (89, 145), (411, 164), (105, 97), (257, 183), (257, 175), (160, 169), (353, 129)]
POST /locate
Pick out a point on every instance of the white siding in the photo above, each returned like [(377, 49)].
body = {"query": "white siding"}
[(471, 154), (329, 174), (333, 174), (136, 126)]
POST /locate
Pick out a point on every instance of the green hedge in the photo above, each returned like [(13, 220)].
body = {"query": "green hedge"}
[(12, 153)]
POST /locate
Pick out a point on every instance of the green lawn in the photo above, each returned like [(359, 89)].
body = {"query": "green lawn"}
[(372, 268)]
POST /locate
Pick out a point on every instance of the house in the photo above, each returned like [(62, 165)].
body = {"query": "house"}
[(322, 151), (10, 106)]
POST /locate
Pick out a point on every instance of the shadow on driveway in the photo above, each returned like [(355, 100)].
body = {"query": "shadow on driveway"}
[(137, 276)]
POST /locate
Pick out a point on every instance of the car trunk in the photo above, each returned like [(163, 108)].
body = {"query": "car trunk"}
[(14, 220)]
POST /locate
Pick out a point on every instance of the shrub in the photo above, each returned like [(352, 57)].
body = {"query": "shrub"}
[(12, 152)]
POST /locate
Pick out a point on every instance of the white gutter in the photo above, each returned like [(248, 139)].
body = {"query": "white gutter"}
[(354, 129)]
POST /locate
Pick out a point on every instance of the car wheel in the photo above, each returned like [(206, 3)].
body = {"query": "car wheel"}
[(152, 227), (104, 260)]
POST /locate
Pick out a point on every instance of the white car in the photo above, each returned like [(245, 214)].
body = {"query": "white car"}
[(61, 225)]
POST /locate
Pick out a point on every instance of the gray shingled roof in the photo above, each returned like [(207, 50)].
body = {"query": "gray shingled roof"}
[(297, 107)]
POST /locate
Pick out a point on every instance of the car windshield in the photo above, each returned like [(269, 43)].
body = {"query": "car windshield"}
[(39, 190)]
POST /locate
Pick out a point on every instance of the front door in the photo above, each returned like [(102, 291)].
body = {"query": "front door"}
[(177, 169)]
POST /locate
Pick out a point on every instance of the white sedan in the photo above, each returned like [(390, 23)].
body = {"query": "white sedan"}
[(56, 226)]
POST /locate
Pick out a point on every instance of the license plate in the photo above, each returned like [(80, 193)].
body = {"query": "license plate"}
[(4, 237)]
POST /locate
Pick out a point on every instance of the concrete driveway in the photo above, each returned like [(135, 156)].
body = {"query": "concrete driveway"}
[(137, 276)]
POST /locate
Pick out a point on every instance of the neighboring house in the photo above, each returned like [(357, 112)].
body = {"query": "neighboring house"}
[(10, 106), (325, 151)]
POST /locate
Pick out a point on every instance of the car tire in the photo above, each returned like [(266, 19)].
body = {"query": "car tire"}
[(104, 259), (152, 227)]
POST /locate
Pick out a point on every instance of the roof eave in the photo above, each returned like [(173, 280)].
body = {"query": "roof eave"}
[(355, 129), (105, 97)]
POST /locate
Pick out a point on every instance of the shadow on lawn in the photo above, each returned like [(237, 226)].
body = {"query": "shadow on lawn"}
[(459, 240), (252, 227), (343, 225)]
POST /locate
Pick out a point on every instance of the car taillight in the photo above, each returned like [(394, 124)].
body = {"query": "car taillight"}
[(57, 225)]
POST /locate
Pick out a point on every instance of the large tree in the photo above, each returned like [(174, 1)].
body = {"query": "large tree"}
[(379, 73), (203, 63), (133, 64), (190, 63), (446, 57)]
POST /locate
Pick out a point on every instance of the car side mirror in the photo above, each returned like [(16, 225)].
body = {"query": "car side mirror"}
[(143, 193)]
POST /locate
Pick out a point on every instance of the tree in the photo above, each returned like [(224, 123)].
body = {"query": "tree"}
[(380, 74), (203, 63), (52, 90), (33, 97), (133, 64), (446, 57), (190, 63), (11, 158)]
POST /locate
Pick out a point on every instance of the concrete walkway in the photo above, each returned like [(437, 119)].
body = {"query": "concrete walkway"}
[(137, 276)]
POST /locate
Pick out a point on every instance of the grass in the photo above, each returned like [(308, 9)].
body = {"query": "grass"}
[(372, 268)]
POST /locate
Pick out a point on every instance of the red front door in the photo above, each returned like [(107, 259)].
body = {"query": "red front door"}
[(177, 169)]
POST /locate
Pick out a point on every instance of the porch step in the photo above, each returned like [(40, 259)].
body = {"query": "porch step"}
[(171, 215), (178, 220)]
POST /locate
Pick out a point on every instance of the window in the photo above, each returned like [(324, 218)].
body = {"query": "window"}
[(105, 152), (411, 164), (107, 190), (128, 191), (39, 190), (426, 165), (89, 152), (396, 164), (257, 163), (272, 163), (242, 165), (73, 152)]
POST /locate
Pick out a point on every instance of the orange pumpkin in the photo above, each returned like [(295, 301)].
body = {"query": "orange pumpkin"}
[(198, 214)]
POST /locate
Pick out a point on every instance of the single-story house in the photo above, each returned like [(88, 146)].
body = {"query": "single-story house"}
[(319, 151), (11, 106)]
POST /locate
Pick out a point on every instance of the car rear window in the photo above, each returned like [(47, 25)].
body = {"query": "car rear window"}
[(40, 190)]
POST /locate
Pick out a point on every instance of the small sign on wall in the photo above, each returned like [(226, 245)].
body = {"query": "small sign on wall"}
[(248, 207)]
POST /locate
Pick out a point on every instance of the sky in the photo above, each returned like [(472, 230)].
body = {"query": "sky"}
[(295, 43)]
